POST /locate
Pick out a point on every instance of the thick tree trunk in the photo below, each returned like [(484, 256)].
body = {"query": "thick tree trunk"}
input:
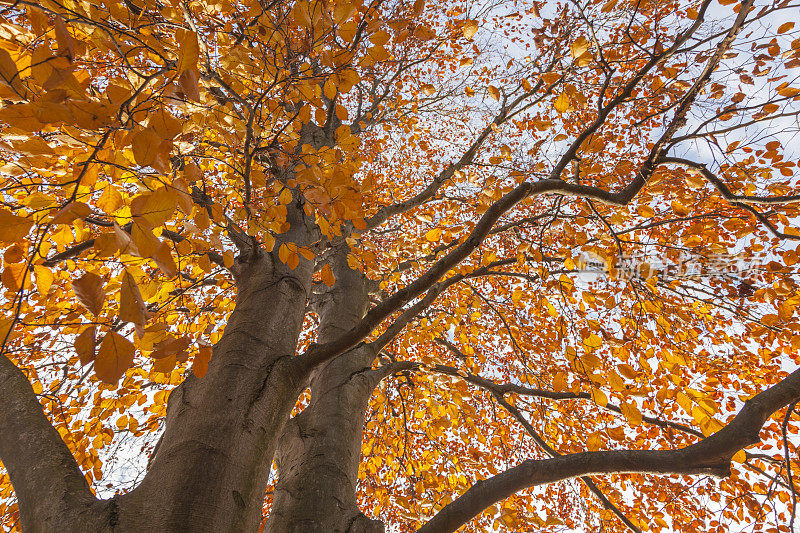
[(320, 451), (211, 467)]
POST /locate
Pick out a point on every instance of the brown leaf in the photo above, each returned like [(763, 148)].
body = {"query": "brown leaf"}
[(85, 345), (131, 307), (164, 260), (188, 82), (114, 357), (89, 290), (170, 346), (200, 366)]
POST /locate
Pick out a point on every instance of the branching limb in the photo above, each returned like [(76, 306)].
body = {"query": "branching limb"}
[(710, 456), (46, 478), (744, 201)]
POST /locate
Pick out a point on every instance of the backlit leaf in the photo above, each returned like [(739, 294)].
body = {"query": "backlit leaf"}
[(89, 290), (13, 228), (114, 357)]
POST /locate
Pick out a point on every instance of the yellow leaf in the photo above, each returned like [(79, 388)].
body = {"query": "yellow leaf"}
[(114, 357), (44, 279), (9, 73), (562, 103), (146, 243), (12, 227), (631, 413), (579, 47), (327, 275), (15, 276), (494, 92), (627, 370), (695, 181), (599, 397), (560, 382), (307, 253), (156, 207), (66, 44), (188, 52), (595, 441), (329, 89), (283, 253), (592, 341), (110, 200), (293, 260), (227, 259), (343, 11), (89, 290), (679, 208), (469, 91), (70, 212), (428, 89), (85, 345), (434, 235), (469, 29), (379, 38), (171, 346)]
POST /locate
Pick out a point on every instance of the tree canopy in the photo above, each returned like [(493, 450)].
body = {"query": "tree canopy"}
[(550, 248)]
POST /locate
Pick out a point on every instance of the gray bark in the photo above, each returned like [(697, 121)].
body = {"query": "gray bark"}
[(320, 450)]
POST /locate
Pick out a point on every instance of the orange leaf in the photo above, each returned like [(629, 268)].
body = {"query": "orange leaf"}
[(131, 306), (114, 357), (200, 366), (12, 227)]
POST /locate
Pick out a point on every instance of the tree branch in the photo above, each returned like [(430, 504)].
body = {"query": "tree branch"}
[(740, 200), (710, 456), (46, 479)]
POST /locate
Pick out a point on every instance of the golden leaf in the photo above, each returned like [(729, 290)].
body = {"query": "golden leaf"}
[(469, 29), (327, 275), (13, 228), (188, 51), (434, 235), (145, 146), (44, 279), (562, 103)]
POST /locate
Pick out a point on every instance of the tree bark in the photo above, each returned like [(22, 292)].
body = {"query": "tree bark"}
[(210, 469), (320, 450), (52, 493)]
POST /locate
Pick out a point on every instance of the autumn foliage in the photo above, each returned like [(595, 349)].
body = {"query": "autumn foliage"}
[(517, 265)]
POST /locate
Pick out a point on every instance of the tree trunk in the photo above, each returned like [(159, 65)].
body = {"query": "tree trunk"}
[(210, 469), (320, 451)]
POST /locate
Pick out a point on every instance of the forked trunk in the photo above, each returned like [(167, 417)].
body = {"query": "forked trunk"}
[(319, 453), (210, 470)]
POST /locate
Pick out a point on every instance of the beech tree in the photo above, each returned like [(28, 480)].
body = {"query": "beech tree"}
[(339, 265)]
